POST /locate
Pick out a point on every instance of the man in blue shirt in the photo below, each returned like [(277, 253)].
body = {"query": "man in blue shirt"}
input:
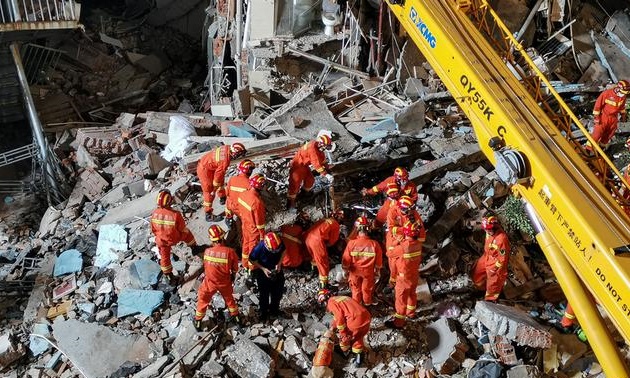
[(267, 260)]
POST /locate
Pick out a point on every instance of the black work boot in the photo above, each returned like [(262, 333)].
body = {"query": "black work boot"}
[(197, 325), (222, 200), (358, 359), (170, 279)]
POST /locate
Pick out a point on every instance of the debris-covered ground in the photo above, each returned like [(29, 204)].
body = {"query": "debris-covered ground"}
[(83, 288)]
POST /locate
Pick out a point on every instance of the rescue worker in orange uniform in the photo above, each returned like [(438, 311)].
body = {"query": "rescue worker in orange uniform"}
[(293, 240), (324, 233), (400, 178), (236, 186), (300, 175), (392, 194), (609, 107), (568, 318), (350, 319), (211, 172), (220, 265), (491, 270), (251, 209), (363, 259), (408, 268), (169, 228), (397, 216)]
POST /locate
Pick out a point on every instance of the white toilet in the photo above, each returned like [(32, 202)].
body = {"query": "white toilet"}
[(330, 20)]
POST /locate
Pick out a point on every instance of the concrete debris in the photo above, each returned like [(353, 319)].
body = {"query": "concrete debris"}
[(69, 261), (112, 239), (246, 359), (524, 371), (36, 344), (132, 301), (10, 350), (145, 273), (448, 349), (514, 324), (82, 342)]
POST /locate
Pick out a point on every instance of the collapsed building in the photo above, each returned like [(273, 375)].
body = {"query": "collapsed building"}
[(127, 104)]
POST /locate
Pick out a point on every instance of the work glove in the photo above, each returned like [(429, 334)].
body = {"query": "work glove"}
[(330, 178)]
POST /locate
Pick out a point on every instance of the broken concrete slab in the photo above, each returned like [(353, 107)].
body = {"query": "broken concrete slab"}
[(514, 324), (523, 371), (467, 154), (447, 347), (10, 350), (139, 208), (154, 369), (36, 344), (134, 301), (410, 120), (98, 351), (49, 221), (112, 239), (188, 341), (69, 261), (246, 360), (145, 273)]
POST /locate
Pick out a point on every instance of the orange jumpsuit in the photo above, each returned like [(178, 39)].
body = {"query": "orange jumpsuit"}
[(169, 228), (236, 186), (324, 352), (408, 268), (352, 321), (323, 233), (300, 172), (568, 319), (395, 220), (410, 190), (291, 235), (490, 271), (211, 172), (361, 258), (252, 212), (219, 264), (607, 109)]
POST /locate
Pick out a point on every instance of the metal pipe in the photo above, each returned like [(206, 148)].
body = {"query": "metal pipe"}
[(379, 44), (323, 61), (14, 10), (599, 336), (239, 35), (248, 23), (528, 20), (36, 125)]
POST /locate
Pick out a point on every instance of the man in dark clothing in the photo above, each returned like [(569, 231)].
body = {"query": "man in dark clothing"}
[(267, 257)]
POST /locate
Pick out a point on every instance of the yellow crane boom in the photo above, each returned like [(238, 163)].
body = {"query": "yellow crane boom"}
[(570, 194)]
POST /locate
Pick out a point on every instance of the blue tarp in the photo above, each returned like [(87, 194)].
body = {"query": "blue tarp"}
[(69, 261), (133, 301), (145, 272)]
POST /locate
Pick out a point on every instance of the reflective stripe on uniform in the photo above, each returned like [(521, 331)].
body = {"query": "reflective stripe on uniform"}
[(163, 222), (237, 189), (215, 259), (245, 204), (412, 254), (360, 253), (569, 316), (611, 102)]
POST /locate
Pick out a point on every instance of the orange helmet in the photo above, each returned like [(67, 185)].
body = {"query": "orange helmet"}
[(405, 203), (324, 141), (361, 223), (323, 295), (246, 167), (338, 214), (272, 241), (411, 229), (257, 181), (164, 198), (392, 190), (216, 233), (237, 150), (623, 86), (401, 174), (490, 223)]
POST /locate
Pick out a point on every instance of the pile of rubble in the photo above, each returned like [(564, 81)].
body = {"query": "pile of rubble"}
[(88, 299)]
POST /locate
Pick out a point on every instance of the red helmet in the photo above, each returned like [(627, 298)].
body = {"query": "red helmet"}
[(324, 141), (362, 223), (490, 223), (216, 233), (257, 182), (164, 198), (323, 295), (401, 174), (623, 86), (237, 150), (272, 241), (405, 203), (246, 167), (338, 214), (411, 229), (392, 190)]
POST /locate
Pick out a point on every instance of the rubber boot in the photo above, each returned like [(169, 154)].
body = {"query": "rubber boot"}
[(358, 359)]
